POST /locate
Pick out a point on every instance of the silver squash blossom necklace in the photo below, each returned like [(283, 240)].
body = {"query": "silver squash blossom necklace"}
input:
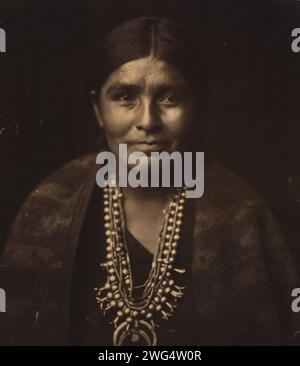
[(138, 318)]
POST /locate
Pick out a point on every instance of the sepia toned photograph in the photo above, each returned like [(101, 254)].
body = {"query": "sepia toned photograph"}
[(150, 180)]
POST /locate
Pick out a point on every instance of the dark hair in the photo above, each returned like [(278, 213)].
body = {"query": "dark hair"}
[(144, 36)]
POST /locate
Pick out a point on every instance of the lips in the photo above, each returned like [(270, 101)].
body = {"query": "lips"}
[(151, 142), (148, 145)]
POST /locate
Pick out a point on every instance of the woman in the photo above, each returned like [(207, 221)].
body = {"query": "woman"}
[(146, 266)]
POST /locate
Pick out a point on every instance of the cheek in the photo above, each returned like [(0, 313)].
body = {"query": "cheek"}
[(116, 123), (177, 121)]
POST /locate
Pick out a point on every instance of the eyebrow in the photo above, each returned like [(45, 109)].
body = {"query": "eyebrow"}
[(159, 89), (122, 87)]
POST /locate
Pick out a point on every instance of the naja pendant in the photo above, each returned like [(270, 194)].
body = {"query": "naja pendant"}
[(136, 332)]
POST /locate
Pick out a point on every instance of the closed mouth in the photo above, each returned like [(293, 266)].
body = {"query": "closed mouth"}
[(153, 142), (148, 146)]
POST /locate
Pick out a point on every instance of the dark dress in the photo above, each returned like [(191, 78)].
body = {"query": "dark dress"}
[(88, 325), (240, 277)]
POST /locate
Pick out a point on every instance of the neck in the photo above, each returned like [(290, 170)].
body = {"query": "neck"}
[(141, 194)]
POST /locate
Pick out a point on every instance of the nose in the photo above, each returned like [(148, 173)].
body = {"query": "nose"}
[(148, 118)]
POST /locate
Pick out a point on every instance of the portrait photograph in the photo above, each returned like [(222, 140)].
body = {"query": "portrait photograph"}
[(150, 177)]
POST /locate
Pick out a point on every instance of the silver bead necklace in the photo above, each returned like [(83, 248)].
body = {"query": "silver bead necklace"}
[(138, 318)]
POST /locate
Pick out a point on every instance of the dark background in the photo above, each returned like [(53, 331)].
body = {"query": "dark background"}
[(254, 106)]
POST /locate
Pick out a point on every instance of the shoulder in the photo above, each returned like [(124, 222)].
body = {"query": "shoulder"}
[(233, 216), (232, 219), (48, 211), (226, 194), (68, 177), (60, 186), (36, 264)]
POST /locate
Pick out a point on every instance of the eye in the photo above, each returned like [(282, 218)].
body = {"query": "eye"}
[(124, 98), (170, 100), (127, 98)]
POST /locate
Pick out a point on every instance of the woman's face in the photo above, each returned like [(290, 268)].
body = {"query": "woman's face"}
[(146, 104)]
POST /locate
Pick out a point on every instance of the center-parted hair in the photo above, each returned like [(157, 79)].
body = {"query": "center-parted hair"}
[(144, 36)]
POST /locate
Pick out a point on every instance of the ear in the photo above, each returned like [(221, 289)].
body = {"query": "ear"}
[(95, 103)]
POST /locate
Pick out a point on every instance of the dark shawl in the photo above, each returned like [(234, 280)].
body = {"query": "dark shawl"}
[(242, 273)]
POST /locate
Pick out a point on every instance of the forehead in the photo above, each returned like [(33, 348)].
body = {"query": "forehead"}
[(146, 72)]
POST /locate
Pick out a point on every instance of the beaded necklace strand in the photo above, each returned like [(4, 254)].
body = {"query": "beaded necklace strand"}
[(137, 318)]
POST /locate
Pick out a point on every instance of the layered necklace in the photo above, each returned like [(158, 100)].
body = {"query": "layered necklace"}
[(136, 318)]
